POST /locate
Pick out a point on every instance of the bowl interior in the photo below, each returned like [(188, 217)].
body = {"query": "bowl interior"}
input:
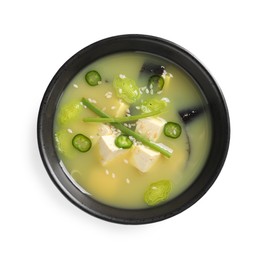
[(171, 52)]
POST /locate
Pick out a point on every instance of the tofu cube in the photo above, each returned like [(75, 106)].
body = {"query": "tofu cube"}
[(105, 130), (116, 107), (167, 77), (150, 127), (143, 158), (121, 109), (108, 150)]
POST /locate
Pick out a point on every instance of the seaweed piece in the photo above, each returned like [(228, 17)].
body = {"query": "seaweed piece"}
[(189, 114), (152, 69)]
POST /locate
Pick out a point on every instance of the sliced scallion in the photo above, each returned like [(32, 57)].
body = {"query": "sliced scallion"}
[(156, 83), (93, 78), (81, 143), (172, 130), (123, 141)]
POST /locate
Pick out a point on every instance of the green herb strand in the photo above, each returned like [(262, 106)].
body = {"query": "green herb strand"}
[(120, 119)]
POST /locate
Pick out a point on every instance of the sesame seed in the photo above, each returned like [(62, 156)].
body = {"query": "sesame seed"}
[(120, 91), (147, 91), (125, 161), (106, 172), (133, 140), (151, 91), (113, 107), (165, 99), (113, 175), (75, 86), (92, 100), (127, 180), (108, 94), (121, 76), (70, 130)]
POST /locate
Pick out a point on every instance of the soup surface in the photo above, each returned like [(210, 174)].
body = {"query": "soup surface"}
[(132, 130)]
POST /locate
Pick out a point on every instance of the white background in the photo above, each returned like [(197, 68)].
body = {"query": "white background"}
[(228, 37)]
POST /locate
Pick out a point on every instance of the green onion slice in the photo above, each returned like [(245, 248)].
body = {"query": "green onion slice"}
[(81, 143), (123, 141), (172, 130), (93, 78), (156, 83)]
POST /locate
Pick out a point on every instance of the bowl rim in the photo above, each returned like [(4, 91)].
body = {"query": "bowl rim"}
[(168, 50)]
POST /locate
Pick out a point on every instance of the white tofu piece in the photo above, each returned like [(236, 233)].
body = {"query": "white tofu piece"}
[(105, 130), (108, 150), (121, 109), (150, 127), (167, 78), (143, 158)]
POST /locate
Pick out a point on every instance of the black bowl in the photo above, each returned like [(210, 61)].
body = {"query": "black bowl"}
[(177, 55)]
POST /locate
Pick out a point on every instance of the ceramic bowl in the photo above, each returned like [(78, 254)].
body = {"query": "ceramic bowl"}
[(180, 57)]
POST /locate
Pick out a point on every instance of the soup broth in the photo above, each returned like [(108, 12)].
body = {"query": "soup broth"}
[(169, 120)]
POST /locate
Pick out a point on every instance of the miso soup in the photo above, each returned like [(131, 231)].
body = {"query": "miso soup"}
[(132, 130)]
